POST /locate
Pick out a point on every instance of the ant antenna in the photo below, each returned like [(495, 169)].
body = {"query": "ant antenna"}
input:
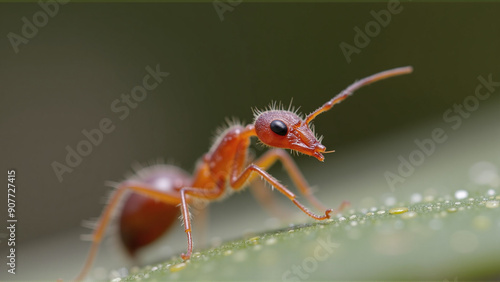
[(355, 86)]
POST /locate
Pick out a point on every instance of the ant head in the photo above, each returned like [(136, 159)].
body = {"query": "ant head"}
[(285, 129)]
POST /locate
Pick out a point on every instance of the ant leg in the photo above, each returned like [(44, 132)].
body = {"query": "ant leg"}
[(238, 181), (265, 196), (266, 199), (198, 193), (108, 211), (271, 156)]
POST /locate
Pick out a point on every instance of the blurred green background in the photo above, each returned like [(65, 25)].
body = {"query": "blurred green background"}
[(66, 77)]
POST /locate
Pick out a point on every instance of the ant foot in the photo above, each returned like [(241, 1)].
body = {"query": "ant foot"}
[(185, 257), (327, 213)]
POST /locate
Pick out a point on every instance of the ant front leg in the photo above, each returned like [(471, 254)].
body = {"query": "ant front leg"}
[(238, 181), (201, 194), (271, 156)]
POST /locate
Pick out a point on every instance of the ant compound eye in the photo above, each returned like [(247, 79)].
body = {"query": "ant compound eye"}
[(279, 127)]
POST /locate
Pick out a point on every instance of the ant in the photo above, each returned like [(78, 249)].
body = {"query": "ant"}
[(158, 191)]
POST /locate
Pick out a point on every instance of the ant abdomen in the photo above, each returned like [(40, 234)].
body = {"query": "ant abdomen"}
[(144, 219)]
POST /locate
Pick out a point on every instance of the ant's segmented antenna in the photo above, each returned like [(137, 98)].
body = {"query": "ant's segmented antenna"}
[(355, 86)]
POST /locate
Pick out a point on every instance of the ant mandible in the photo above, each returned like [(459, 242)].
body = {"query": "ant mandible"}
[(225, 165)]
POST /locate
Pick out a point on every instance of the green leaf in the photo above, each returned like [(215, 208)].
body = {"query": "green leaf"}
[(441, 239)]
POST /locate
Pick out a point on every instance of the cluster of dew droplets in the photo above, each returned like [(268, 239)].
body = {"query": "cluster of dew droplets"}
[(486, 174)]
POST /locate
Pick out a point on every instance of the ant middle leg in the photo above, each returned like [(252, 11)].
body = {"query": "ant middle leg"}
[(197, 194)]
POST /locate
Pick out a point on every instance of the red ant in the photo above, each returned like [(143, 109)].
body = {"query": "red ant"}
[(158, 191)]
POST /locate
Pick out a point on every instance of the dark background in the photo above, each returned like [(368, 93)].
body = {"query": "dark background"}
[(66, 77)]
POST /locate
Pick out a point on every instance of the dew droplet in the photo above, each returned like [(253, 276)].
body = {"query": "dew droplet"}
[(416, 198), (381, 212), (398, 210), (430, 193), (452, 210), (429, 198), (491, 192), (271, 241), (254, 240), (178, 267), (390, 201), (228, 252), (492, 204), (461, 194)]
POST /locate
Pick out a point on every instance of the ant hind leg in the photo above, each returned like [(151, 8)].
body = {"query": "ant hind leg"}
[(108, 211)]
